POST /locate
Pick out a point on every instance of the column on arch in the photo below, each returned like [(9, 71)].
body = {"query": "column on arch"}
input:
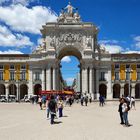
[(54, 78), (97, 83), (48, 79), (91, 83), (84, 80), (43, 79)]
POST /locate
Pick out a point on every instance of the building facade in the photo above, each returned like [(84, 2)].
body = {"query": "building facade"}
[(100, 72)]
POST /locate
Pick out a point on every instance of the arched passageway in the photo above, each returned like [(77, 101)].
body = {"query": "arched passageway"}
[(23, 90), (12, 89), (2, 89), (137, 90), (126, 90), (103, 90), (116, 90), (37, 89)]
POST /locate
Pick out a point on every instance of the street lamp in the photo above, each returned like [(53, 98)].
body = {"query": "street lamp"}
[(129, 71)]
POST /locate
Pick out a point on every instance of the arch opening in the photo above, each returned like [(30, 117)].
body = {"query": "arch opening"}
[(12, 89), (103, 90), (37, 89), (116, 90), (2, 89), (23, 90), (137, 90)]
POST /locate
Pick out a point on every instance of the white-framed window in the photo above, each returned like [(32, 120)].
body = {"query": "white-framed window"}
[(23, 75), (117, 66), (1, 67), (12, 67), (138, 75), (138, 66), (1, 75), (127, 66), (37, 76), (12, 75), (23, 66), (127, 75), (117, 76), (102, 78)]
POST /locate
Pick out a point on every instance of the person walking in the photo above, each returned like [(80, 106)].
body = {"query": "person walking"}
[(86, 99), (132, 102), (60, 107), (40, 102), (52, 105), (90, 99), (120, 110), (82, 100), (101, 100)]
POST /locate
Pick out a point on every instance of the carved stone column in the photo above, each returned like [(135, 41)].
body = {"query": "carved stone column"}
[(54, 78), (84, 80), (109, 85), (90, 81), (97, 83), (43, 79), (48, 79)]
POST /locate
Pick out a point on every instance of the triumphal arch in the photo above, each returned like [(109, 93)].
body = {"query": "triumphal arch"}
[(71, 36)]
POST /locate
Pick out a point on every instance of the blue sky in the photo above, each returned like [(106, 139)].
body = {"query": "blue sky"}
[(118, 21)]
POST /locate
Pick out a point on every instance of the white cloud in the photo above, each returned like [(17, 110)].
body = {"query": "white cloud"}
[(66, 59), (130, 52), (23, 19), (112, 48), (7, 38), (10, 52), (23, 2), (137, 41), (108, 41), (69, 80), (137, 38)]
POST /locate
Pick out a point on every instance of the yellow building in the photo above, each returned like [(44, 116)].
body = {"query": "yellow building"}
[(126, 75)]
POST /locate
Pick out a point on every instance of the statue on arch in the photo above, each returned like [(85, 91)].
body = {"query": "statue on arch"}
[(61, 17), (70, 9), (77, 16)]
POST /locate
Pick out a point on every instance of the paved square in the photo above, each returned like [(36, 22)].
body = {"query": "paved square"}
[(27, 122)]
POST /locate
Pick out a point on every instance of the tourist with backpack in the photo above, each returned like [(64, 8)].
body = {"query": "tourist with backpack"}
[(52, 105)]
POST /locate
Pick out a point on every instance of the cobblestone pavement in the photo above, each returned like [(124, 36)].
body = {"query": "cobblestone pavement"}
[(27, 122)]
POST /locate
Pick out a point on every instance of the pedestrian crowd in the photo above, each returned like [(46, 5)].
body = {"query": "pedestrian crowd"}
[(55, 104)]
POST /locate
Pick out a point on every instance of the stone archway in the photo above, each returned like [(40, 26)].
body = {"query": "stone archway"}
[(2, 89), (23, 90), (69, 37), (116, 90), (126, 90), (103, 90), (37, 89), (71, 51), (137, 90), (12, 89)]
